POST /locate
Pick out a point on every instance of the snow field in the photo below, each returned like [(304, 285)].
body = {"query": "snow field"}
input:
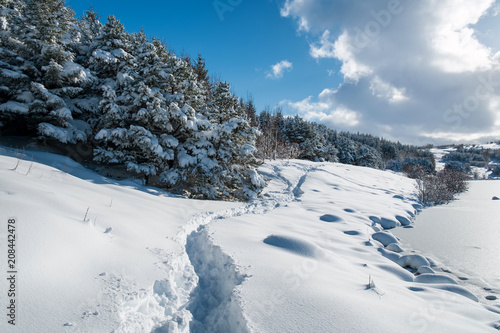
[(315, 264), (312, 254), (71, 271)]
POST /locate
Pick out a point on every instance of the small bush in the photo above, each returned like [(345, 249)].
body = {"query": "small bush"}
[(496, 170), (442, 187), (418, 167), (458, 166)]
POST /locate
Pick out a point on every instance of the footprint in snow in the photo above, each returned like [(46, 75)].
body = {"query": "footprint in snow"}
[(108, 230)]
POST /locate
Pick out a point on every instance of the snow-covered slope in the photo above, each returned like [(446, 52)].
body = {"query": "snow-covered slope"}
[(97, 255)]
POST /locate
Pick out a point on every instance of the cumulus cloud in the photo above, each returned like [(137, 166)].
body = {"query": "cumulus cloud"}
[(416, 71), (324, 110), (279, 69)]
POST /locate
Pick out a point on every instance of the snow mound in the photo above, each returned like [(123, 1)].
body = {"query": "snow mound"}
[(403, 220), (434, 278), (330, 218), (385, 222), (425, 270), (414, 261), (457, 290), (385, 238), (394, 248), (397, 271), (294, 245), (392, 256)]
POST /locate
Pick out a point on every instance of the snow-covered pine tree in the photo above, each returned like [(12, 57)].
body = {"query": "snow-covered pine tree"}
[(199, 68), (146, 107), (347, 150), (47, 21), (134, 133), (88, 28), (183, 86), (234, 142), (37, 59), (250, 111), (15, 85), (369, 157), (111, 51)]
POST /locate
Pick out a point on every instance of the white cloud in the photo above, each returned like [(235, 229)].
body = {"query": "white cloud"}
[(340, 49), (279, 69), (325, 110), (326, 48), (386, 91), (411, 68)]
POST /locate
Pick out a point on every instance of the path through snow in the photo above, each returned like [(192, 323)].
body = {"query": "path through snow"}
[(201, 282)]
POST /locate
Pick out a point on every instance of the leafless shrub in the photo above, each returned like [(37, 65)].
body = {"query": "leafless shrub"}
[(442, 187)]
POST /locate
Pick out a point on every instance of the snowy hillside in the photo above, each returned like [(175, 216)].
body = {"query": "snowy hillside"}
[(479, 159), (97, 255)]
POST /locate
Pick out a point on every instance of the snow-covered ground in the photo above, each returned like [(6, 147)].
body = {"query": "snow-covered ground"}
[(471, 247), (97, 255), (478, 172), (439, 153)]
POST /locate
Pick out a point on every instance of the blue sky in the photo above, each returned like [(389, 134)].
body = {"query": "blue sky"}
[(240, 48), (415, 71)]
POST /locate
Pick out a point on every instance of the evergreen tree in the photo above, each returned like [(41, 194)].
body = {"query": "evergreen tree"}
[(251, 112), (133, 131), (111, 50), (199, 68), (88, 29), (369, 157), (234, 144)]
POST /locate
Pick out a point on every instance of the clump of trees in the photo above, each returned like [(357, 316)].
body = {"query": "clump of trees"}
[(294, 137), (142, 110)]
